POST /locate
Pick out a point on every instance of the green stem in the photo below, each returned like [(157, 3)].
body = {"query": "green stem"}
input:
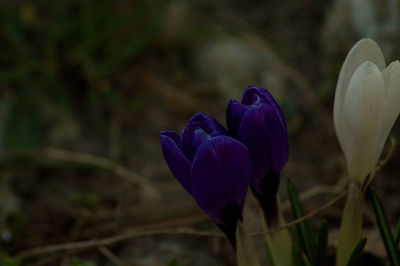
[(245, 252), (351, 227), (278, 244)]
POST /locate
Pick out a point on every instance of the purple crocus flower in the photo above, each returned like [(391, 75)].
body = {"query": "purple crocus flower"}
[(212, 166), (258, 122)]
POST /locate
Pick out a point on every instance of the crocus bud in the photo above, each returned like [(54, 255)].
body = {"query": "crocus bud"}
[(366, 107), (212, 166), (258, 122)]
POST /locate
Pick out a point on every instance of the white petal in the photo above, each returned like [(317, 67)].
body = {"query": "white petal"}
[(361, 120), (391, 108), (363, 50)]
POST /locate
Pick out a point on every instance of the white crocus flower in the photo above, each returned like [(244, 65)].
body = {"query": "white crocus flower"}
[(367, 103)]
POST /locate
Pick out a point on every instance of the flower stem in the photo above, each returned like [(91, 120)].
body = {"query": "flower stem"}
[(245, 252), (278, 244), (351, 227)]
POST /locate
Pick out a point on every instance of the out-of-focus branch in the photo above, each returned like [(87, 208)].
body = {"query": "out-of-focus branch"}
[(305, 217), (83, 158), (111, 256), (314, 191), (113, 240), (151, 232)]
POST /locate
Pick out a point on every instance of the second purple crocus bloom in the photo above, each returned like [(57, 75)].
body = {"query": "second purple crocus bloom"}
[(258, 123), (213, 167)]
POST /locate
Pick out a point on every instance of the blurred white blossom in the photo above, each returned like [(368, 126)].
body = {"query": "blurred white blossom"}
[(366, 107)]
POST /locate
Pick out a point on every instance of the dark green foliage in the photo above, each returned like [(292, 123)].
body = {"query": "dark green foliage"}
[(356, 256), (307, 247), (322, 243), (175, 262), (297, 248), (305, 260), (24, 126), (56, 51), (268, 252), (7, 261), (384, 228), (78, 262), (397, 234)]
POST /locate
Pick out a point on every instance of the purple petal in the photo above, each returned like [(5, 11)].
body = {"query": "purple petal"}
[(254, 134), (208, 121), (177, 162), (252, 93), (234, 115), (262, 132), (220, 177), (194, 134), (172, 135)]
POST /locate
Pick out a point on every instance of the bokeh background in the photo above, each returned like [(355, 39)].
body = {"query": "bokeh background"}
[(87, 85)]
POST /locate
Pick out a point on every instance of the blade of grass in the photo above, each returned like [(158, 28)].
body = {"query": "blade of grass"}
[(270, 258), (397, 234), (306, 232), (322, 243), (396, 238), (356, 256), (384, 228), (306, 260), (296, 247)]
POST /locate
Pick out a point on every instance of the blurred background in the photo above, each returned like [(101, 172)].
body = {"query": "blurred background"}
[(86, 86)]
